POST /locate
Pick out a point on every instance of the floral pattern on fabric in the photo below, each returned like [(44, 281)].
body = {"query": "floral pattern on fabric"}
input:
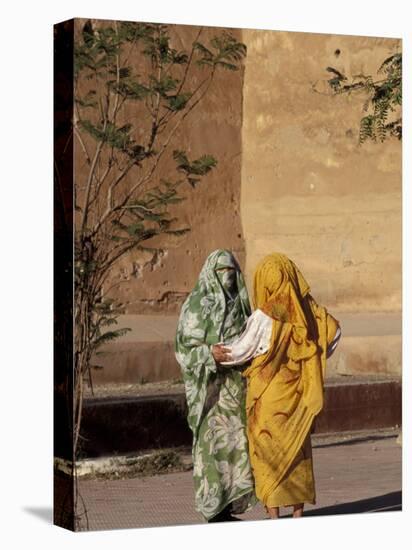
[(215, 395)]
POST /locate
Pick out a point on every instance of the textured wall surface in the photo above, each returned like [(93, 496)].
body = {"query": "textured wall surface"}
[(158, 283), (291, 176), (308, 189)]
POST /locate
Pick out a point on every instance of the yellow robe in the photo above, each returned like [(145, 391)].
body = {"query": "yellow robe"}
[(285, 386)]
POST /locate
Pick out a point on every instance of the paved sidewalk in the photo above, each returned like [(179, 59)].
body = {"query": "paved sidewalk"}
[(350, 478)]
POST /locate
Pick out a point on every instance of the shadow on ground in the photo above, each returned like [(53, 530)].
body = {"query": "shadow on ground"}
[(390, 502)]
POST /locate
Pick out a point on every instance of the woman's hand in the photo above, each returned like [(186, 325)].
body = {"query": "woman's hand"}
[(220, 353)]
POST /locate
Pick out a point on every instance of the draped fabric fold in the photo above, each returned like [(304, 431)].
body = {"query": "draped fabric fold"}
[(285, 386), (216, 310)]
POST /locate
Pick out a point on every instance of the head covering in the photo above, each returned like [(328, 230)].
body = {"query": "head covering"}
[(208, 299), (207, 319), (221, 259), (279, 289), (226, 271)]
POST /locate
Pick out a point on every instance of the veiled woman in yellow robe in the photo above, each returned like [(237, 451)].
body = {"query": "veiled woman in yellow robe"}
[(285, 385)]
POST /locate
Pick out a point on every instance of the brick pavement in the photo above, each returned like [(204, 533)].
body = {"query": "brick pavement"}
[(350, 478)]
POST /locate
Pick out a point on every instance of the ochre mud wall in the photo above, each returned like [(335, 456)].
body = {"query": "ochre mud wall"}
[(291, 177), (308, 188), (158, 283)]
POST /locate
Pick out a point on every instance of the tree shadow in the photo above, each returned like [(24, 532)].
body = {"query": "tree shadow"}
[(42, 512), (391, 502)]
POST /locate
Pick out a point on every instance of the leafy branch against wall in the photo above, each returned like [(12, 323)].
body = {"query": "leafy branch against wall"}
[(382, 106), (133, 92)]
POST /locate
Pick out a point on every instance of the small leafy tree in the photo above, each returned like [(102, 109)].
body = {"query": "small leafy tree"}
[(384, 98), (122, 203)]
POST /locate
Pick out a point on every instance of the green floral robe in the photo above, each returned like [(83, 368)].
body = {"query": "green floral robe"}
[(215, 394)]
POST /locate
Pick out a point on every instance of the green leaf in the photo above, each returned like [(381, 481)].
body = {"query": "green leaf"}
[(193, 181), (201, 48), (131, 89), (110, 335), (138, 152), (181, 158), (198, 167), (91, 129), (88, 34), (135, 229), (226, 65), (124, 72), (117, 137), (163, 85), (179, 58), (88, 100), (228, 55), (178, 102), (178, 232), (384, 97), (133, 32)]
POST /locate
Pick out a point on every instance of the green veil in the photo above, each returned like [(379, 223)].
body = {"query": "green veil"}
[(216, 395), (201, 324)]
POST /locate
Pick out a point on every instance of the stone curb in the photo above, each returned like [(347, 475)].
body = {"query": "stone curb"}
[(122, 425)]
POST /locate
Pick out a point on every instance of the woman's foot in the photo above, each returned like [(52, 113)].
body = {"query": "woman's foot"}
[(298, 510), (223, 515), (273, 512)]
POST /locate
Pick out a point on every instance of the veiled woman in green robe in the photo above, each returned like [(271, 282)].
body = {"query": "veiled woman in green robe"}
[(216, 311)]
